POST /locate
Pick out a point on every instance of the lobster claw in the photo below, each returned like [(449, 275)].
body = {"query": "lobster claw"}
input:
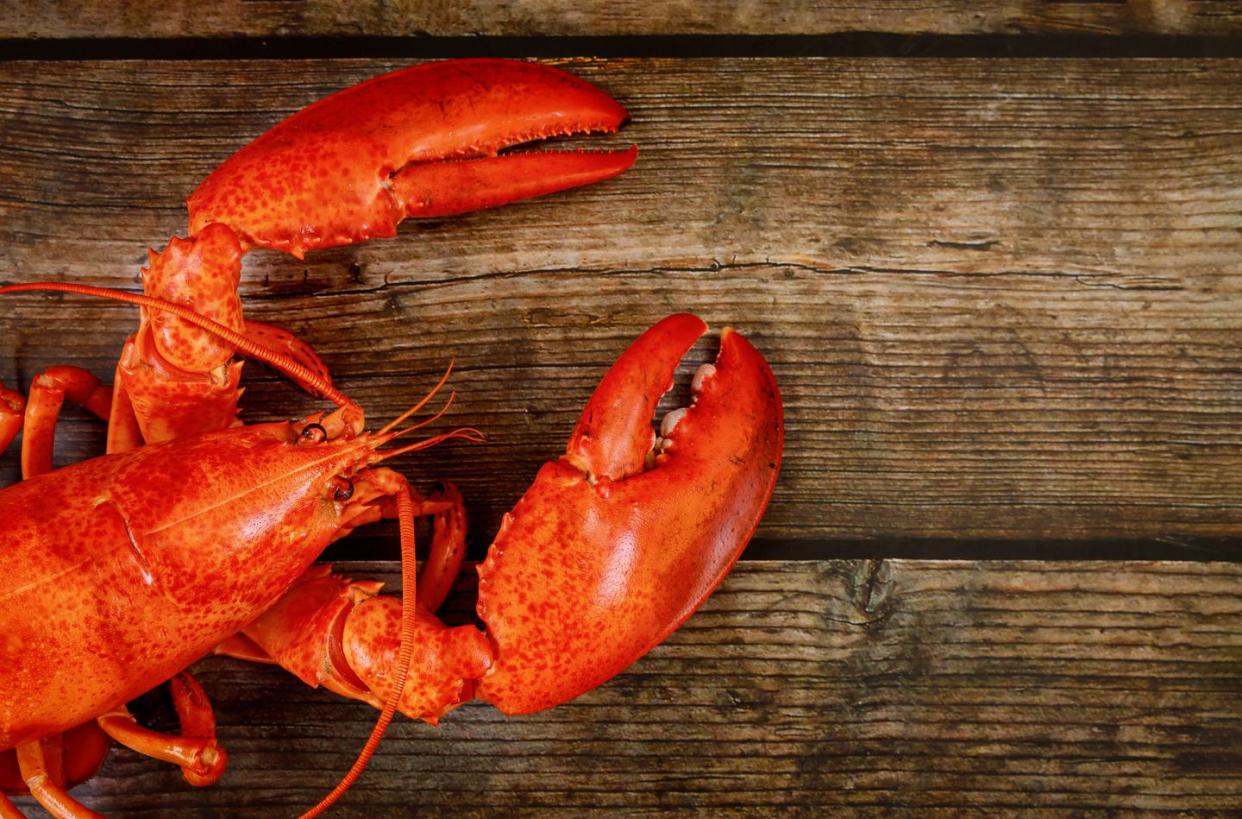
[(420, 142), (608, 551)]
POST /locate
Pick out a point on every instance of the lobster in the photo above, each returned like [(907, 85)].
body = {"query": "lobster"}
[(122, 584)]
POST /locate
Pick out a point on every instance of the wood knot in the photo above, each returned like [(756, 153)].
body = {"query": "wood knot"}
[(872, 591)]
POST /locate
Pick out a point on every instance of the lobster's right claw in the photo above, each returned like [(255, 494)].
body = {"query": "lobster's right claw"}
[(602, 558)]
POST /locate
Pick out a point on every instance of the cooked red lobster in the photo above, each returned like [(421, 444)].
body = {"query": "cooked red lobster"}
[(196, 534)]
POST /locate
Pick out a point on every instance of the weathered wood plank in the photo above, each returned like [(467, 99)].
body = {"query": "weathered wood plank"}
[(879, 686), (276, 18), (1002, 298)]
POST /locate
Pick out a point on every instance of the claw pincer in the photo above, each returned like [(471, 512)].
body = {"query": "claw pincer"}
[(603, 557), (420, 142)]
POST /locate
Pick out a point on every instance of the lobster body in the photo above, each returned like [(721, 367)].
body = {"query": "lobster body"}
[(196, 534), (128, 567)]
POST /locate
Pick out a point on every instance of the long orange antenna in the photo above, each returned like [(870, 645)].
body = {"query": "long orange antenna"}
[(244, 345), (465, 434), (439, 385), (405, 655), (389, 436)]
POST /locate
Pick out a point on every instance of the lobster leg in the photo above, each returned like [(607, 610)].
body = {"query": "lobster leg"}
[(47, 395), (448, 547), (8, 810), (201, 759), (197, 721), (39, 770), (123, 431), (12, 407), (69, 758), (40, 413)]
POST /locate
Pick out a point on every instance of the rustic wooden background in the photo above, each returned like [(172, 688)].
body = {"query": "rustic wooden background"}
[(999, 279)]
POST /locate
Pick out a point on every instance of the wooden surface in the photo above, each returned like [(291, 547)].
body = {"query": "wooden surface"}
[(801, 687), (1002, 297), (267, 18)]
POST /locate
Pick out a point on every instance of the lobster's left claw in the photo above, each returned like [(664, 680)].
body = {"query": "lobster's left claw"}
[(420, 142), (601, 559)]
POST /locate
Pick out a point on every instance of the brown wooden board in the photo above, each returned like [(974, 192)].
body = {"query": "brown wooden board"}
[(800, 687), (1002, 299), (277, 18)]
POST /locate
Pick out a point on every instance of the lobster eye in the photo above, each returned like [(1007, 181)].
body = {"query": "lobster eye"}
[(314, 434), (344, 489)]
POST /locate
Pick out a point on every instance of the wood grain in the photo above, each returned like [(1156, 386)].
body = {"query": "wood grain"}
[(1002, 298), (911, 687), (279, 18)]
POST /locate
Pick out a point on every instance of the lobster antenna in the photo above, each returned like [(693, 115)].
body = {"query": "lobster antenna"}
[(464, 433), (439, 385), (245, 346), (405, 655), (389, 436)]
